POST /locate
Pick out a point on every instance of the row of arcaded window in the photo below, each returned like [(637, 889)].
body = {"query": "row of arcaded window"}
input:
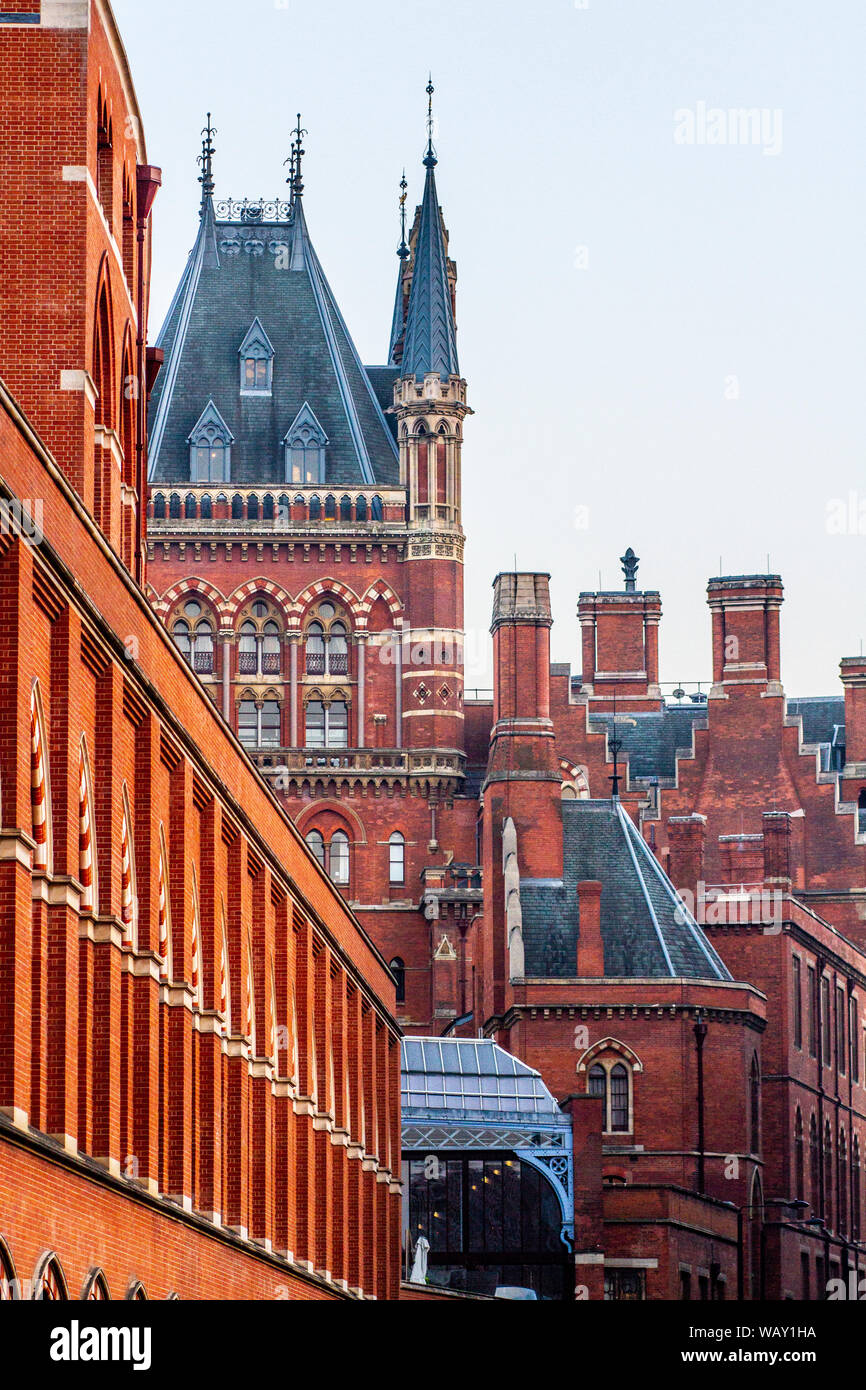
[(333, 855), (49, 1283), (269, 506), (828, 1178)]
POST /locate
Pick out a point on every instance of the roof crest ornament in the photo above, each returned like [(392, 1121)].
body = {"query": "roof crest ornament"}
[(403, 249), (629, 562), (295, 179), (430, 160)]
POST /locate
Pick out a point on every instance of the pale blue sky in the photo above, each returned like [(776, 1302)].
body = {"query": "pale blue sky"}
[(693, 376)]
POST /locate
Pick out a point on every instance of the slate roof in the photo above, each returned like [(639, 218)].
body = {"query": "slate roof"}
[(651, 740), (645, 930), (238, 272), (823, 717), (430, 342)]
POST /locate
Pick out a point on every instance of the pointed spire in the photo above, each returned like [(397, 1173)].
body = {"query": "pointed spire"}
[(431, 336), (403, 249), (205, 162)]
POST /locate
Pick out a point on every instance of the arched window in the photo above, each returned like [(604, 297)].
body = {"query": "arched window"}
[(206, 508), (842, 1183), (252, 507), (376, 511), (619, 1098), (755, 1107), (260, 645), (257, 361), (96, 1288), (86, 855), (237, 507), (315, 650), (193, 636), (828, 1175), (345, 509), (210, 447), (337, 651), (270, 724), (338, 857), (315, 509), (8, 1281), (396, 858), (305, 444), (611, 1080), (137, 1293), (361, 508), (159, 506), (327, 643), (316, 844), (268, 508), (814, 1168), (855, 1188), (799, 1156), (40, 787), (174, 506), (330, 508), (189, 507), (49, 1283), (337, 724), (398, 970)]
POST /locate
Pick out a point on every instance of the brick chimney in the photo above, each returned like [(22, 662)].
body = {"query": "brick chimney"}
[(853, 672), (746, 659), (523, 768), (620, 641), (590, 947), (687, 840), (777, 849)]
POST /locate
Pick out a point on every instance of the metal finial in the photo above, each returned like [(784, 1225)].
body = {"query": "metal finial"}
[(298, 152), (403, 250), (205, 162), (629, 562), (430, 159)]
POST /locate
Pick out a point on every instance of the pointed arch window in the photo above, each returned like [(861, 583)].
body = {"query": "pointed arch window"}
[(327, 643), (164, 913), (210, 447), (193, 635), (316, 845), (305, 444), (257, 362), (8, 1281), (49, 1284), (128, 899), (86, 856), (260, 646), (40, 797), (195, 947), (611, 1080), (260, 723), (398, 970), (96, 1288), (799, 1156)]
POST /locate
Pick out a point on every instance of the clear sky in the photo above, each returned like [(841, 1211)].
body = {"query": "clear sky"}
[(660, 310)]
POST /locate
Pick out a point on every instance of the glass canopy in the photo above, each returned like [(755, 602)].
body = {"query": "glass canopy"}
[(457, 1074)]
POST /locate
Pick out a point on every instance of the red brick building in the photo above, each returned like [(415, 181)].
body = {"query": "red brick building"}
[(199, 1066), (654, 900)]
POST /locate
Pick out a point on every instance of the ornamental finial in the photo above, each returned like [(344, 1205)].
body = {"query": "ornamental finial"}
[(403, 249), (295, 178), (430, 159), (629, 562), (205, 162)]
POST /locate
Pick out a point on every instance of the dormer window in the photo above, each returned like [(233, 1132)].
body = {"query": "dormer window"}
[(305, 446), (257, 362), (210, 448)]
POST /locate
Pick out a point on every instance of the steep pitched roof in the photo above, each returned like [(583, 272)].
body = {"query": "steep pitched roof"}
[(647, 932), (430, 342), (267, 271)]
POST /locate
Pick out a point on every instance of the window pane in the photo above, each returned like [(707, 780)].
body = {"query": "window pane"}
[(315, 725), (619, 1098), (270, 724), (248, 723), (316, 843), (338, 725), (340, 858), (262, 375)]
